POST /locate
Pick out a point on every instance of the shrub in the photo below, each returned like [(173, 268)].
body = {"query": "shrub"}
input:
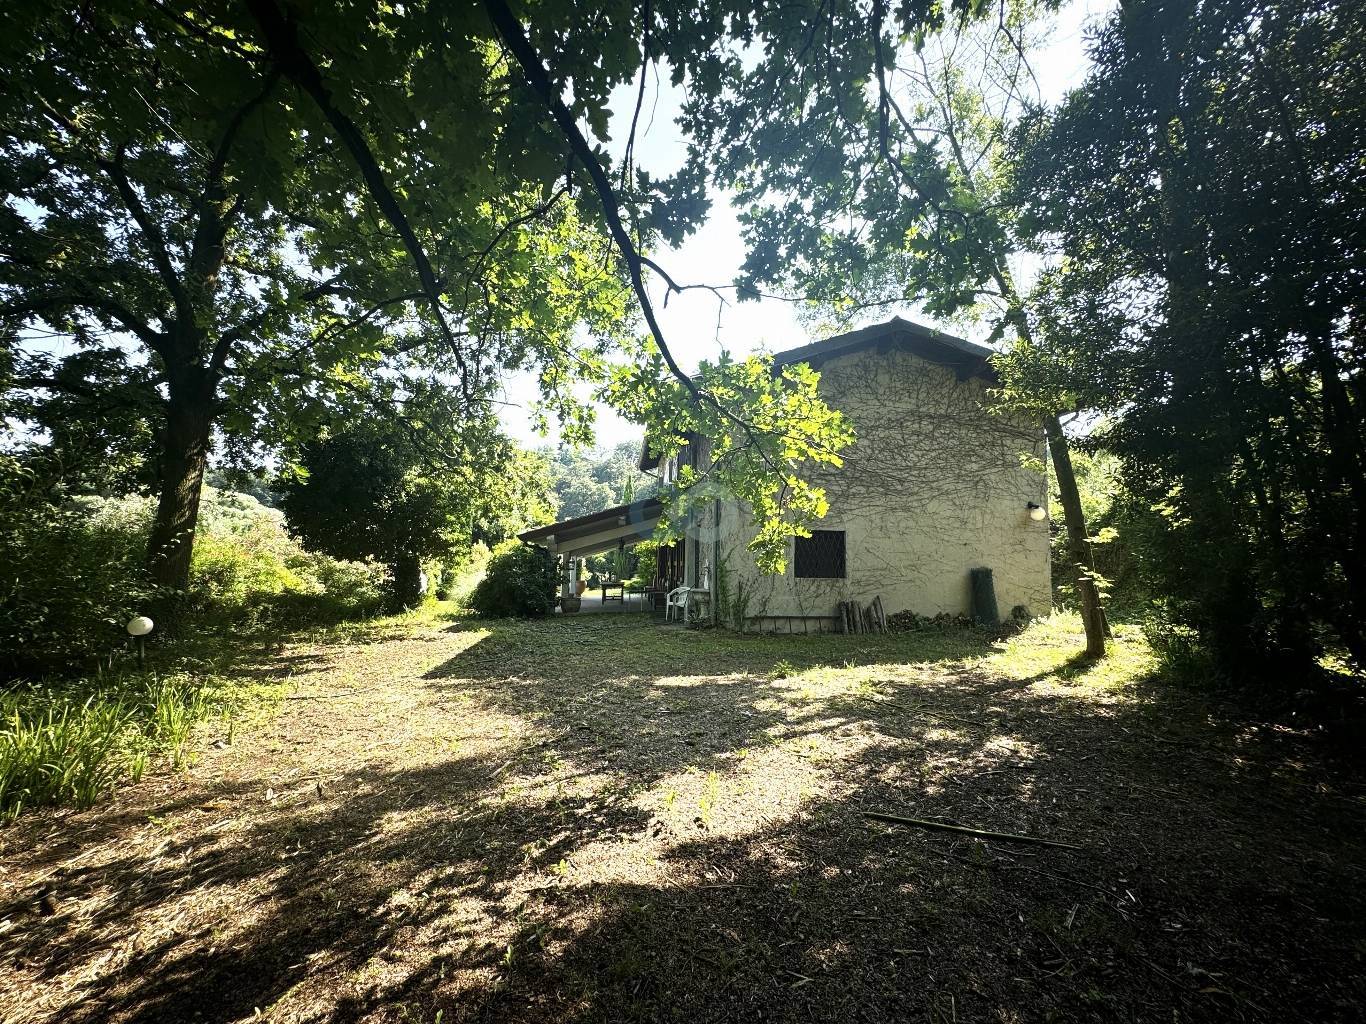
[(446, 575), (232, 579), (1182, 653), (248, 573), (72, 574), (646, 555), (519, 581), (340, 589)]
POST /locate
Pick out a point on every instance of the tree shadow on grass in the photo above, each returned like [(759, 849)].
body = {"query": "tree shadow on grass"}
[(671, 830)]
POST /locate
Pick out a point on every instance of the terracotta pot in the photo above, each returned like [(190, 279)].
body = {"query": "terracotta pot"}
[(580, 586)]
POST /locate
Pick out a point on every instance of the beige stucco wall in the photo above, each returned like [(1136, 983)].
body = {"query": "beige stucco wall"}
[(933, 487)]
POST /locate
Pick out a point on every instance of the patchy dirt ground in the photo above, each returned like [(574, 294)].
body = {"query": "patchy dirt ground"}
[(606, 819)]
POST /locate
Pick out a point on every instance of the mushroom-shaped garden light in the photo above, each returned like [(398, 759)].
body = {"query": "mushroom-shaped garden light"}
[(138, 627)]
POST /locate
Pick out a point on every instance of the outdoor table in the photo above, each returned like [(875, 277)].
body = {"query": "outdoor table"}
[(619, 588)]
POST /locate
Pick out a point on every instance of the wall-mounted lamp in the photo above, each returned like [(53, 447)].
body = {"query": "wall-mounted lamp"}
[(1036, 512)]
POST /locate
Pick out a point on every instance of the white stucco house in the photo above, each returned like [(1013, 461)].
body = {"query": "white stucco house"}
[(934, 487)]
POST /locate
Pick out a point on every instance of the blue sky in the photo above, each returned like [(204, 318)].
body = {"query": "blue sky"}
[(694, 323)]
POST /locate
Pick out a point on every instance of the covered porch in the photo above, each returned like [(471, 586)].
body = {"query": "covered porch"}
[(570, 541)]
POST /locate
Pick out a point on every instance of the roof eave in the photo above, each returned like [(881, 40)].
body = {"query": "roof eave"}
[(644, 509)]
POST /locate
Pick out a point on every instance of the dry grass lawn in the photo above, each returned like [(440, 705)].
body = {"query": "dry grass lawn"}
[(606, 819)]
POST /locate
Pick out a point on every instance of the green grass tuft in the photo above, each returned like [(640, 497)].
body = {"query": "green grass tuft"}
[(56, 751), (70, 745)]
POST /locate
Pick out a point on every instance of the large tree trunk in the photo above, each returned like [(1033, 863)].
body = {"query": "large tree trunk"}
[(185, 450), (407, 592), (1093, 618), (1342, 431), (1092, 614)]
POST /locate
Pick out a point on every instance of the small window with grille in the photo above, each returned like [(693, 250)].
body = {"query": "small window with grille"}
[(820, 556)]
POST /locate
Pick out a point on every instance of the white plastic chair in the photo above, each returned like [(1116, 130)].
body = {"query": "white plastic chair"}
[(677, 599)]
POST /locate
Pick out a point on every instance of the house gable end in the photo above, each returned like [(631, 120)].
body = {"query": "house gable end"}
[(963, 357)]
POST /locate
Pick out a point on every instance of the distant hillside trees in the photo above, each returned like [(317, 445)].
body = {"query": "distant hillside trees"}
[(587, 481)]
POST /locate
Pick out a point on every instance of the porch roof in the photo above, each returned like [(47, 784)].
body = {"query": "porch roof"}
[(600, 531)]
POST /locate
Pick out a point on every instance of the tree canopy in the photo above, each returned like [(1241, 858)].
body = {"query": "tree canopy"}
[(180, 210), (372, 489), (1192, 208), (240, 208), (1208, 240), (231, 225), (876, 177)]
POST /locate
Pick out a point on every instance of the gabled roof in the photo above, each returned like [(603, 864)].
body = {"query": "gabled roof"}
[(969, 358), (965, 357)]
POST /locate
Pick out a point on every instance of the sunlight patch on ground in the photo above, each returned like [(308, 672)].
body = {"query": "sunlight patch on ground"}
[(1051, 650), (683, 682)]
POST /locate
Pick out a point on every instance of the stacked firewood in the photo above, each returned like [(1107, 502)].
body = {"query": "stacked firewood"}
[(855, 617)]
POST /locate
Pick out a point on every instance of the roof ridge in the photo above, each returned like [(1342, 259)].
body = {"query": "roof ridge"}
[(871, 332)]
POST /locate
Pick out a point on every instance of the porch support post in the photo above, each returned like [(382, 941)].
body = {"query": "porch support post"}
[(563, 569)]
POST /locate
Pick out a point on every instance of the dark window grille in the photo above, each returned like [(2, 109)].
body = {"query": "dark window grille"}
[(820, 556)]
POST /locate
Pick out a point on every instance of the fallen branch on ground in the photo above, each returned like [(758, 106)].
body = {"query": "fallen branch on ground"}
[(319, 696), (945, 826)]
